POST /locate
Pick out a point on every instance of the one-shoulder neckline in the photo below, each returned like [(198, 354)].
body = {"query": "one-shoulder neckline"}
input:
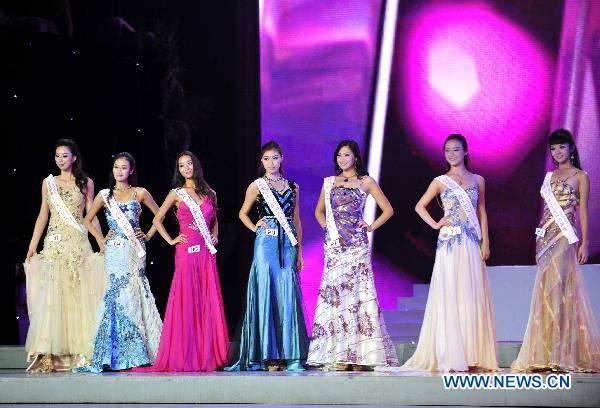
[(573, 189), (350, 188), (204, 200), (464, 189), (126, 202)]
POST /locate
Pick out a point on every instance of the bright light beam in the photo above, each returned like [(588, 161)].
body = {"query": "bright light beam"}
[(381, 102)]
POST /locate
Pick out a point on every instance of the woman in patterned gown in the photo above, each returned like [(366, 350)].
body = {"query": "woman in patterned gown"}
[(194, 336), (65, 281), (127, 322), (348, 329), (273, 332), (561, 334), (458, 332)]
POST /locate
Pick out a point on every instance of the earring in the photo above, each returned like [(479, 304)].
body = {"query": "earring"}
[(572, 157)]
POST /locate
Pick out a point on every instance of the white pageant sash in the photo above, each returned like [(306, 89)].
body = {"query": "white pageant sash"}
[(557, 212), (275, 208), (198, 218), (60, 205), (123, 222), (464, 201), (332, 231)]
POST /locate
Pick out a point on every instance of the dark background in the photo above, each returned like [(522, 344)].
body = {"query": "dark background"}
[(149, 77)]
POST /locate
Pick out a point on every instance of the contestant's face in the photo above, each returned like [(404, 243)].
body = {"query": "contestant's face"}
[(271, 161), (64, 158), (561, 153), (186, 167), (345, 158), (454, 152), (122, 169)]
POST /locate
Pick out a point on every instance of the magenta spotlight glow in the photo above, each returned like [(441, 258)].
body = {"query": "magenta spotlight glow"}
[(466, 68), (453, 74)]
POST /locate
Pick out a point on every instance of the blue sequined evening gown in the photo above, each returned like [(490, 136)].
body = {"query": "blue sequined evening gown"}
[(128, 323)]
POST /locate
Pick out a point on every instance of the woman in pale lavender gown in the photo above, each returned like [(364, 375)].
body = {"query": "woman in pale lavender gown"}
[(562, 334), (194, 336), (458, 332), (349, 330)]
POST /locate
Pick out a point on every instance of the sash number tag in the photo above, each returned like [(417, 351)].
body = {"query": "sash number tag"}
[(116, 243), (540, 232), (456, 230), (271, 232), (193, 249), (54, 238)]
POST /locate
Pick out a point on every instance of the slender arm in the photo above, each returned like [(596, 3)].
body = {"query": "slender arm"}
[(40, 223), (159, 216), (251, 194), (371, 187), (435, 187), (320, 209)]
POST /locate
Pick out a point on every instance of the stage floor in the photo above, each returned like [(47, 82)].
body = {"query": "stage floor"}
[(311, 387)]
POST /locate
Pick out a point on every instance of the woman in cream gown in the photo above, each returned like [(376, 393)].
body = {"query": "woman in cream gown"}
[(458, 332), (65, 281)]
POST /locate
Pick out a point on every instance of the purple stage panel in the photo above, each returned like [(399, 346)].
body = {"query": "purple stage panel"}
[(317, 68)]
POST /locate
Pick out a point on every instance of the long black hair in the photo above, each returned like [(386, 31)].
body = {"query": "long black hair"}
[(270, 145), (358, 164), (81, 177), (201, 185), (563, 136), (132, 179), (463, 141)]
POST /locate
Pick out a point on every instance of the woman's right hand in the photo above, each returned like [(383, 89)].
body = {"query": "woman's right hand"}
[(108, 236), (180, 239), (444, 222), (30, 253), (261, 223)]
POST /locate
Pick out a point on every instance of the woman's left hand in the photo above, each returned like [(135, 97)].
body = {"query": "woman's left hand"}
[(485, 251), (363, 224), (300, 263), (214, 238), (139, 234), (582, 254)]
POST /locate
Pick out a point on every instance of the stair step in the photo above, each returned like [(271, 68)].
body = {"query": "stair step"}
[(412, 303), (13, 357), (404, 339), (420, 289), (404, 329), (507, 351), (403, 316)]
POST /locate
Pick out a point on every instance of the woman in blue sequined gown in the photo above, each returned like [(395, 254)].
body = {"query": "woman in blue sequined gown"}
[(128, 325), (273, 333), (458, 332)]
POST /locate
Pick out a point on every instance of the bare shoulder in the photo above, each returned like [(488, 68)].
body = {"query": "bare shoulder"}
[(142, 192), (583, 176), (90, 182), (252, 189), (436, 184), (480, 180), (368, 181)]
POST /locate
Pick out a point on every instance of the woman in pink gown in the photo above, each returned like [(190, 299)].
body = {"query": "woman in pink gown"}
[(194, 335)]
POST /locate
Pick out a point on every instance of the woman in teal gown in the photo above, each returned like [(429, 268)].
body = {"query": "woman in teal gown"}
[(273, 334)]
